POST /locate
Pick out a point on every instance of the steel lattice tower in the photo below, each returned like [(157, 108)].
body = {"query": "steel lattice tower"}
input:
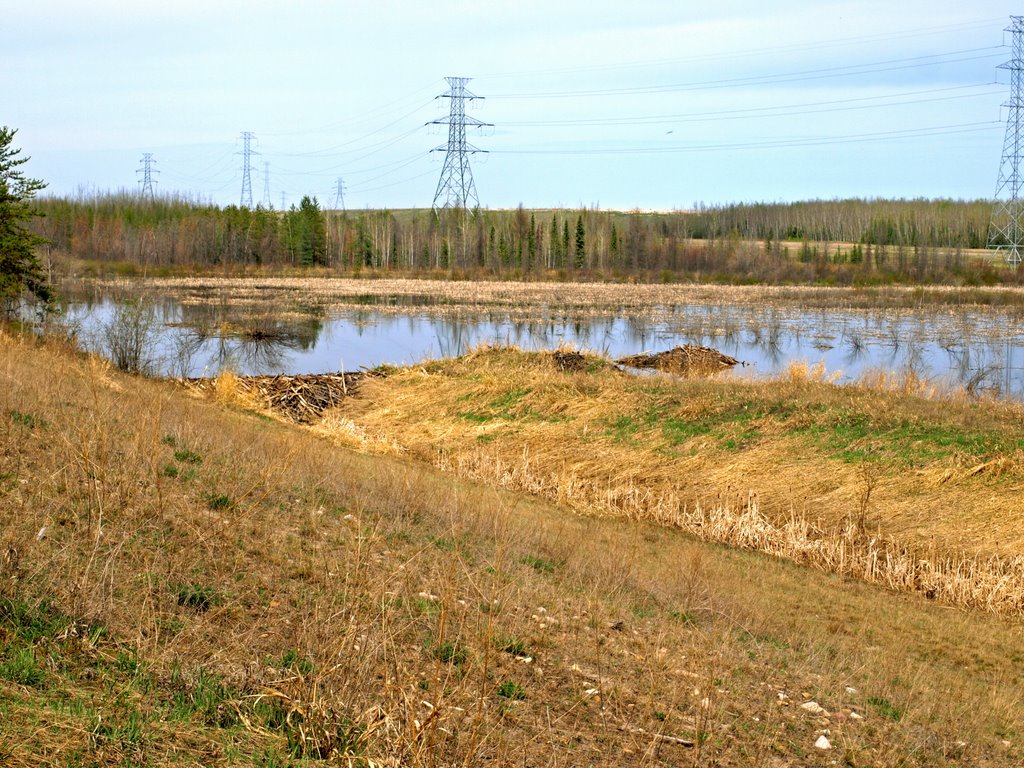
[(339, 195), (147, 172), (247, 153), (1006, 234), (455, 188)]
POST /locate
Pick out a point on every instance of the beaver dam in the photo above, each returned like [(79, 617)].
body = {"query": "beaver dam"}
[(302, 399)]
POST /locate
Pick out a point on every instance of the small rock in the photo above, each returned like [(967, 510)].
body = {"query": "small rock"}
[(850, 689), (823, 742), (42, 534), (856, 716), (814, 708)]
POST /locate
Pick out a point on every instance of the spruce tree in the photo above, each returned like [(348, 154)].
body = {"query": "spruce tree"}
[(581, 243), (21, 274)]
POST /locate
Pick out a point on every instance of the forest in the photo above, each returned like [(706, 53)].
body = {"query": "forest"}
[(843, 242)]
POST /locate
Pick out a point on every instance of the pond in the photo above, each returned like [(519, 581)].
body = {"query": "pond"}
[(973, 348)]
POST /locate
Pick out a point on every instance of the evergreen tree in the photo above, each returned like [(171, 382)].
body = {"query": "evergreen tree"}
[(531, 244), (555, 260), (21, 273), (581, 243), (310, 232), (565, 243)]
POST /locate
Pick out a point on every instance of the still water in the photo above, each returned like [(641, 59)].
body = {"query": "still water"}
[(979, 349)]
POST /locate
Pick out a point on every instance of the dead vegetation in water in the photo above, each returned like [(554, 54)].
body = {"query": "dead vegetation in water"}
[(601, 298), (180, 583)]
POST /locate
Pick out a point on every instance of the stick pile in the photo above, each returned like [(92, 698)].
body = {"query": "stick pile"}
[(685, 360), (302, 398)]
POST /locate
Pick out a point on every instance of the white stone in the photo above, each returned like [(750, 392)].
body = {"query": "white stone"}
[(823, 742), (814, 708)]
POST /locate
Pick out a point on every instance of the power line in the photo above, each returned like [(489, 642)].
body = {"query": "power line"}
[(940, 130), (849, 70), (732, 55), (758, 112)]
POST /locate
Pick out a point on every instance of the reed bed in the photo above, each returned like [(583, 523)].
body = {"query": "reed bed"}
[(340, 292), (990, 583)]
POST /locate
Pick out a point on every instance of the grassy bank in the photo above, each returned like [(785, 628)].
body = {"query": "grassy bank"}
[(186, 583), (865, 481)]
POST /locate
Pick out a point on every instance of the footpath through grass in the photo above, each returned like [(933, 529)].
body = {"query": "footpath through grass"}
[(185, 584)]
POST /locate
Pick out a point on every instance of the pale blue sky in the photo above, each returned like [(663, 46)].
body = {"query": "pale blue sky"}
[(649, 104)]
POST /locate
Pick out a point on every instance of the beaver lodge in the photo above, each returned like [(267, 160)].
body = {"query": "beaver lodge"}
[(687, 360)]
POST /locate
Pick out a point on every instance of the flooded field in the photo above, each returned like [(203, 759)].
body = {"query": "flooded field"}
[(200, 327)]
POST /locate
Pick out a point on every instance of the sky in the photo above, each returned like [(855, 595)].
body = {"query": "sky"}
[(649, 104)]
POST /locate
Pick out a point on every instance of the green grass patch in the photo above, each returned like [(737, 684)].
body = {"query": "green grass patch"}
[(511, 690), (218, 502), (856, 438), (511, 645), (449, 652), (198, 597), (27, 420), (539, 564), (185, 456), (19, 665), (886, 708), (294, 660)]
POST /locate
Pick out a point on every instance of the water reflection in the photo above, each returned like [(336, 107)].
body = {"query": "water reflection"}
[(972, 349)]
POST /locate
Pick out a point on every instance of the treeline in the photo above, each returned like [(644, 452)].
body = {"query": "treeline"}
[(922, 223), (844, 242)]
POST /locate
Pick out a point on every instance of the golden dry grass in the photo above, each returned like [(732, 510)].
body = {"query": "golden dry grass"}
[(183, 583), (871, 482)]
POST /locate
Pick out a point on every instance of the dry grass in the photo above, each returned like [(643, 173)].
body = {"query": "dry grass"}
[(908, 493), (182, 583)]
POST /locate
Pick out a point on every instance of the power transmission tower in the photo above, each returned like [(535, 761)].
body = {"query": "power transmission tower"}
[(247, 152), (339, 195), (266, 185), (1006, 234), (455, 188), (147, 172)]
